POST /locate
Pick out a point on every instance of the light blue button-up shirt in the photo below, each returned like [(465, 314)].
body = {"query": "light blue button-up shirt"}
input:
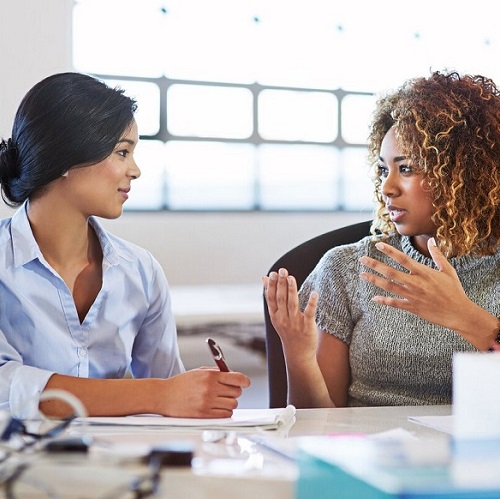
[(129, 326)]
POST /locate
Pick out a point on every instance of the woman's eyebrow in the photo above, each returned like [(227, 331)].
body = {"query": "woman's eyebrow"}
[(396, 158), (128, 141)]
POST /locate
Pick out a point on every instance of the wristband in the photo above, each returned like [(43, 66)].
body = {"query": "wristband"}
[(496, 344)]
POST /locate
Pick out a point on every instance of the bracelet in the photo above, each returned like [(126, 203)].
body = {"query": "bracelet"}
[(496, 344)]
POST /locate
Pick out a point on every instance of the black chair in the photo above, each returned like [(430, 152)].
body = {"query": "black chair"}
[(300, 261)]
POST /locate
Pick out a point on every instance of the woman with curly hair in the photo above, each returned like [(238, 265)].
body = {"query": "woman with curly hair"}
[(392, 309)]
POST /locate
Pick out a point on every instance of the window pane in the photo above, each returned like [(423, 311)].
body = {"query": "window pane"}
[(148, 191), (147, 96), (297, 116), (356, 117), (357, 185), (297, 177), (210, 175), (209, 111)]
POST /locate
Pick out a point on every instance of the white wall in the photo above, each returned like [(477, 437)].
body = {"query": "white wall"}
[(207, 248), (35, 41)]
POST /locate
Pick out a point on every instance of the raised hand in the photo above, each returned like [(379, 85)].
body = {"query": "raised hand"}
[(297, 329), (434, 295)]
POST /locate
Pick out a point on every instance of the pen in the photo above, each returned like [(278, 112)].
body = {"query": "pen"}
[(217, 355)]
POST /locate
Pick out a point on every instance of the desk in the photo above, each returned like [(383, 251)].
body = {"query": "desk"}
[(221, 471)]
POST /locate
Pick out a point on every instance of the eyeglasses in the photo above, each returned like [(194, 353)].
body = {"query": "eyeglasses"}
[(42, 479), (17, 428)]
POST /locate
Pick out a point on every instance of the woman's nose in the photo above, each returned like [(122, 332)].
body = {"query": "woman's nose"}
[(390, 185), (135, 171)]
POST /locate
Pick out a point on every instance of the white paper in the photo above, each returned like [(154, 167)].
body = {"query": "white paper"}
[(266, 419), (440, 423), (476, 397), (396, 447)]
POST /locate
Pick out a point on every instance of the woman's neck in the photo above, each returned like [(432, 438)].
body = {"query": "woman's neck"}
[(64, 237)]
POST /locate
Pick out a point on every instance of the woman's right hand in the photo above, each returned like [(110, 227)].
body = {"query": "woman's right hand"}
[(297, 329), (202, 393), (299, 335)]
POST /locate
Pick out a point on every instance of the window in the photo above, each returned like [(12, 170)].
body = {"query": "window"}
[(265, 105)]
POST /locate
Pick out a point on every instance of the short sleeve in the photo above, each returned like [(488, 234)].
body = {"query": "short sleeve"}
[(336, 280)]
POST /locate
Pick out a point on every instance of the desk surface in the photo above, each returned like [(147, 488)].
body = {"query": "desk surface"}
[(240, 470), (365, 420)]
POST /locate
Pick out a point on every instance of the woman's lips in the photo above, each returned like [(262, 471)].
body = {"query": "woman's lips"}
[(396, 214)]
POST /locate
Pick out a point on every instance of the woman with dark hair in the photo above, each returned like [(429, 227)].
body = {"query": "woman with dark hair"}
[(79, 306), (434, 253)]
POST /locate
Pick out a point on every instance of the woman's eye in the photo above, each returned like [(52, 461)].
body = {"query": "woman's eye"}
[(123, 152), (405, 169), (382, 171)]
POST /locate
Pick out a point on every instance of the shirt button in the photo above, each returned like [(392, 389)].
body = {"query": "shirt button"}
[(82, 352)]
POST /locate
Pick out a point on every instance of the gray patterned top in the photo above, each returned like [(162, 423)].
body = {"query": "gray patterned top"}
[(396, 357)]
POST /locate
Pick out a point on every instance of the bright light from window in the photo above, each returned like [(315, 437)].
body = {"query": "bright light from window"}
[(147, 95), (203, 111), (267, 103), (210, 175), (297, 116), (298, 177), (357, 113)]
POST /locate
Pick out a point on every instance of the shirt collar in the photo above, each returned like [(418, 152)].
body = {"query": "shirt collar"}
[(25, 247)]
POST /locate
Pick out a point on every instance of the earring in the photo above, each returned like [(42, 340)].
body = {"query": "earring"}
[(65, 174)]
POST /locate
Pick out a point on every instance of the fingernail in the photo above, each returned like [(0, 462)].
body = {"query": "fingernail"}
[(273, 276), (380, 246), (282, 272), (433, 242)]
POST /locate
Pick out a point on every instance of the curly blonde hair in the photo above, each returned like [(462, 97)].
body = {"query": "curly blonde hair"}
[(449, 125)]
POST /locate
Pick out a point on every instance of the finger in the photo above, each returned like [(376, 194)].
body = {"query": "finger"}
[(220, 413), (398, 256), (387, 285), (386, 270), (437, 256), (222, 402), (400, 303), (270, 292), (311, 307), (234, 378), (293, 297), (265, 282), (229, 391), (282, 289)]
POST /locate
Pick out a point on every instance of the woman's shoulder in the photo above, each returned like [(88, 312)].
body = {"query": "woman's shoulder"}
[(116, 248)]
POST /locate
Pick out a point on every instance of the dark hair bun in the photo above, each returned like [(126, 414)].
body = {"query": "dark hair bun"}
[(8, 161)]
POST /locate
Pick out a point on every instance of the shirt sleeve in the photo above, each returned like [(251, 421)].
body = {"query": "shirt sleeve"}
[(156, 352), (20, 385), (335, 278)]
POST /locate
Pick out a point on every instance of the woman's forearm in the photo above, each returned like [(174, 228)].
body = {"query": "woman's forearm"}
[(198, 393), (306, 385)]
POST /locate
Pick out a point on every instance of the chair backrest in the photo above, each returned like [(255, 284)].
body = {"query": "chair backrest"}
[(300, 261)]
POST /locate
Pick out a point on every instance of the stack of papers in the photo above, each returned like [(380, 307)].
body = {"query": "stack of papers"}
[(241, 420)]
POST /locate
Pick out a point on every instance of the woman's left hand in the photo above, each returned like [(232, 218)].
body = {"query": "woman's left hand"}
[(434, 295)]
